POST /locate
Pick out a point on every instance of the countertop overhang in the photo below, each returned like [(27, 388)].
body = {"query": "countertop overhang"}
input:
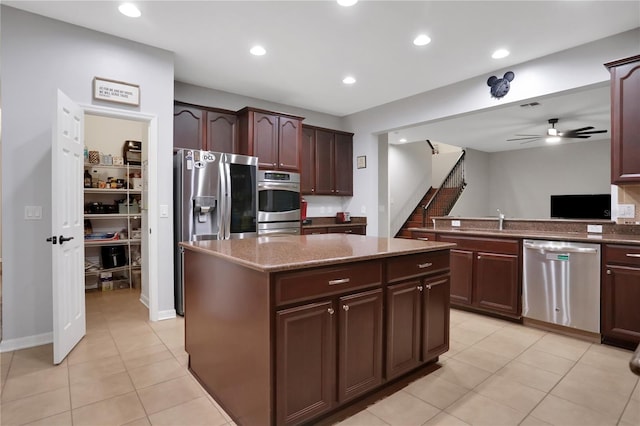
[(282, 253), (539, 235)]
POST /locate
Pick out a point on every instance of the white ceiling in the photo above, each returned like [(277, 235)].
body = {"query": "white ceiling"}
[(312, 45)]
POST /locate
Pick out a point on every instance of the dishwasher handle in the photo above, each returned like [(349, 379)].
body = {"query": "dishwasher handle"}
[(555, 249)]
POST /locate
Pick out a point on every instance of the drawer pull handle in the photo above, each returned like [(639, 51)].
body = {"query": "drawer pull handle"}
[(345, 307), (420, 288), (330, 310), (633, 255), (340, 281), (423, 238), (348, 231), (424, 265)]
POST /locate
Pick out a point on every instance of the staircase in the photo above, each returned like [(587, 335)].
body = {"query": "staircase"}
[(437, 202)]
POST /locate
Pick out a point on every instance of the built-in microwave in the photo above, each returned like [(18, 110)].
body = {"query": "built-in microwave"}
[(278, 196)]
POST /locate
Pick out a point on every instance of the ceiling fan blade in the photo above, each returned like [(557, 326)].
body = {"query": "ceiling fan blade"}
[(592, 132), (575, 136), (529, 138), (533, 136), (580, 129)]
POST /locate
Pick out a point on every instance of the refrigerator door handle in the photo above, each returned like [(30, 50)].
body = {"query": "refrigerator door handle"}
[(228, 200), (222, 204)]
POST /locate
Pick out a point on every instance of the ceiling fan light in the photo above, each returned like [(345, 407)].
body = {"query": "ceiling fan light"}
[(553, 139), (552, 132)]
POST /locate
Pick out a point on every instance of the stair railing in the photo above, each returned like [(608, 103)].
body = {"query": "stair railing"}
[(441, 203)]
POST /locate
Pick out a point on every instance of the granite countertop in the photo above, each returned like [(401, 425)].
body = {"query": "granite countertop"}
[(540, 235), (290, 252)]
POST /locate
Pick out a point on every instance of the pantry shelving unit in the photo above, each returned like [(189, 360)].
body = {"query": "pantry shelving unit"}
[(124, 222)]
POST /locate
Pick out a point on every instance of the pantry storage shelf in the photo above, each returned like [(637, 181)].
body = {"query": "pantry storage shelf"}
[(112, 212)]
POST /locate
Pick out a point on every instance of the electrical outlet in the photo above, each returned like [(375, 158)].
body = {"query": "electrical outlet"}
[(594, 229), (626, 211), (363, 209), (455, 223)]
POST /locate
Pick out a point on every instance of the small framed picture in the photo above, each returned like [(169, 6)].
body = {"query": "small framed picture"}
[(361, 162)]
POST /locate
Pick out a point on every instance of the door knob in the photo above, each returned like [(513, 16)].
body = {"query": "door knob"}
[(62, 239)]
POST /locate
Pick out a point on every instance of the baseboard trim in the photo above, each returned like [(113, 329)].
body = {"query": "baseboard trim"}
[(9, 345), (168, 314)]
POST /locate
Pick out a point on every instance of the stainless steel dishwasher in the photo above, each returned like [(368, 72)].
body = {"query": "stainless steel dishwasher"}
[(561, 283)]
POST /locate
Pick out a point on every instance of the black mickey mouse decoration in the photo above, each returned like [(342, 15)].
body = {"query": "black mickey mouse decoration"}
[(500, 86)]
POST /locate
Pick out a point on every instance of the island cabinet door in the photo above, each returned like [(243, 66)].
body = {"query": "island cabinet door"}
[(435, 326), (497, 282), (461, 276), (305, 363), (404, 311), (360, 344)]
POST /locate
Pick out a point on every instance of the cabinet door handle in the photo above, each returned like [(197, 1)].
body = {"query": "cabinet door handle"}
[(479, 257), (633, 255), (331, 311), (281, 164), (339, 281), (345, 307), (608, 271), (424, 265), (428, 286), (419, 288)]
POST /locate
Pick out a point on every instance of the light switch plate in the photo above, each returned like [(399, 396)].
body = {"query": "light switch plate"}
[(33, 212), (594, 229), (164, 210), (626, 211), (455, 223)]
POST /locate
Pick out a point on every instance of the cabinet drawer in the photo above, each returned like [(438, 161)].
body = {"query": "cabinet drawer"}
[(424, 236), (414, 265), (358, 230), (313, 231), (305, 285), (626, 255), (495, 245)]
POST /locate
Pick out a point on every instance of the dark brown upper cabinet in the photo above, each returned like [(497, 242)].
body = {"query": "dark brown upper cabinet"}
[(210, 129), (625, 126)]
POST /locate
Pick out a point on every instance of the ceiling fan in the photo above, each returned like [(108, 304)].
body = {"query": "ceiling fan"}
[(554, 135)]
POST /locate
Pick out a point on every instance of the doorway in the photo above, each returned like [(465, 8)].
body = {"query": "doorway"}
[(107, 129), (122, 213)]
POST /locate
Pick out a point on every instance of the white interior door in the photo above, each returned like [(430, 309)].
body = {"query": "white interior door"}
[(67, 227)]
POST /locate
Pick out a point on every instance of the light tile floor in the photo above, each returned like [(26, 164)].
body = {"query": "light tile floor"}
[(129, 371)]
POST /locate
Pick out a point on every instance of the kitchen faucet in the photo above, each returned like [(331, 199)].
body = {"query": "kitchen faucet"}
[(500, 220)]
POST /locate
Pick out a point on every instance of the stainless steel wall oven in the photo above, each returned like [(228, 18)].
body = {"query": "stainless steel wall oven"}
[(278, 202)]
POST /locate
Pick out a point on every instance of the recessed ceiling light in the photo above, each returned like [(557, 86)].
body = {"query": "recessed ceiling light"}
[(130, 10), (348, 80), (500, 53), (347, 3), (258, 50), (403, 140), (422, 40)]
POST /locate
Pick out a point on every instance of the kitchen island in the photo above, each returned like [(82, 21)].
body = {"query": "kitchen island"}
[(290, 329)]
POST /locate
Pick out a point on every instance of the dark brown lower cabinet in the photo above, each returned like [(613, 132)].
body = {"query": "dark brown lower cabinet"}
[(485, 274), (305, 361), (417, 323), (620, 321), (496, 282), (310, 371), (461, 276), (360, 334)]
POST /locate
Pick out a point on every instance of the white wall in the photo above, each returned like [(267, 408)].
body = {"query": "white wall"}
[(41, 55), (107, 135), (442, 165), (566, 70), (521, 181), (409, 179), (474, 201)]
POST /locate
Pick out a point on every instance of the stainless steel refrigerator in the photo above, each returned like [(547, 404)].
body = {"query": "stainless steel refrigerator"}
[(215, 198)]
